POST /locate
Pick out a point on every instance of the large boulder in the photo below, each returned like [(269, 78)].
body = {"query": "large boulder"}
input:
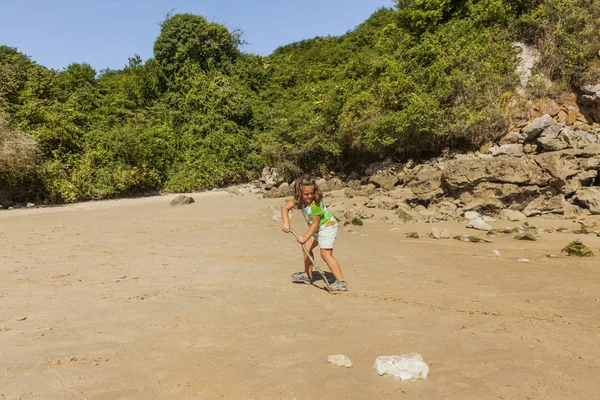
[(270, 178), (181, 200), (552, 139), (506, 149), (493, 197), (589, 197), (427, 184), (537, 126), (467, 173), (546, 204), (381, 201), (578, 139), (560, 165), (385, 181)]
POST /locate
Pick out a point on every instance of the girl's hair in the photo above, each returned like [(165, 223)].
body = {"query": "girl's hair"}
[(303, 181)]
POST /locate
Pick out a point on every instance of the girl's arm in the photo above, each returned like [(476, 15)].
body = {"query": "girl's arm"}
[(314, 227), (285, 210)]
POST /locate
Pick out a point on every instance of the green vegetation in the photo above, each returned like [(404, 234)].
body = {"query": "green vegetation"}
[(407, 83)]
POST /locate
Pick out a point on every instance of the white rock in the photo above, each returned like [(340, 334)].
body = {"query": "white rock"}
[(488, 219), (472, 215), (496, 252), (524, 260), (479, 224), (408, 367), (340, 360), (276, 218)]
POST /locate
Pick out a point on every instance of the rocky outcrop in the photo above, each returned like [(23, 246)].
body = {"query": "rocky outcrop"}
[(548, 165)]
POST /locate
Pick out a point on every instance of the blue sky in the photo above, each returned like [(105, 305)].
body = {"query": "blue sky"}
[(55, 33)]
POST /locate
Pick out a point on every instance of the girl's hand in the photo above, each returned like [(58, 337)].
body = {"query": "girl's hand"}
[(301, 239), (286, 227)]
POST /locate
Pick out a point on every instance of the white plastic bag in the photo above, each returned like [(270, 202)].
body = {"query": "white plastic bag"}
[(340, 360), (408, 367)]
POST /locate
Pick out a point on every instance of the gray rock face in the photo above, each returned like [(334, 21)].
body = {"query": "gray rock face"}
[(181, 200)]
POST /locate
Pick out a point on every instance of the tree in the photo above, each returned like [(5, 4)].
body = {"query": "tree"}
[(190, 38)]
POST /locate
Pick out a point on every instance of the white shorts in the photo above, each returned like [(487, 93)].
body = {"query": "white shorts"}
[(326, 236)]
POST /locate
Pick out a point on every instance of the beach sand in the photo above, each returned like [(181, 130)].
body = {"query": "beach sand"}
[(133, 299)]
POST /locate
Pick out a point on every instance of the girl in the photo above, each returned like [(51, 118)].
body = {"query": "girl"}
[(322, 229)]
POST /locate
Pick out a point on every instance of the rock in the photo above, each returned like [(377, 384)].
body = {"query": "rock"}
[(407, 367), (427, 184), (589, 197), (472, 239), (560, 165), (30, 205), (526, 236), (546, 204), (387, 165), (507, 149), (529, 148), (361, 192), (512, 215), (562, 117), (551, 138), (335, 184), (479, 224), (444, 210), (472, 215), (465, 174), (340, 360), (356, 221), (272, 194), (577, 248), (270, 178), (578, 138), (523, 260), (511, 138), (181, 200), (412, 235), (537, 126), (591, 89), (403, 215), (436, 233), (285, 190), (353, 176), (552, 108), (489, 196), (381, 202), (384, 181), (402, 194)]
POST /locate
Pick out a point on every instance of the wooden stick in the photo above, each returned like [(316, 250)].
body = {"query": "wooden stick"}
[(328, 287)]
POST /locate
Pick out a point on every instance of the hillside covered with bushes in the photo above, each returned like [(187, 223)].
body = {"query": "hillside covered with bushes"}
[(411, 82)]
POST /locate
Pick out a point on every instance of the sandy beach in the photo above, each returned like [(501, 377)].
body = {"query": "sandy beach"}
[(133, 299)]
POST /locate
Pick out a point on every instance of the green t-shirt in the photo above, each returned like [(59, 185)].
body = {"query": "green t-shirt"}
[(318, 210)]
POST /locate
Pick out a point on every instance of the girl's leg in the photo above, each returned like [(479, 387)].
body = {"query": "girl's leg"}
[(332, 263), (310, 246)]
